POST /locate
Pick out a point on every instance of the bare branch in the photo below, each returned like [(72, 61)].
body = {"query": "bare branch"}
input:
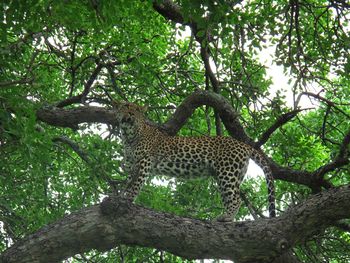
[(327, 101), (114, 83), (253, 211), (58, 52), (75, 147), (283, 119), (208, 70)]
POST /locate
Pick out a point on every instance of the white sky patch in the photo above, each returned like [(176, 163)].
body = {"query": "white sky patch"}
[(253, 170), (280, 79), (281, 82)]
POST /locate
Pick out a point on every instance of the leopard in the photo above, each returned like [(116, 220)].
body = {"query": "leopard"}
[(150, 151)]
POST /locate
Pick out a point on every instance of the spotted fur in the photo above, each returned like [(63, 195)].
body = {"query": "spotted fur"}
[(149, 151)]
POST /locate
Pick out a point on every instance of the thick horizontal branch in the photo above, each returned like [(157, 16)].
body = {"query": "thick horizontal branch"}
[(120, 222), (70, 118)]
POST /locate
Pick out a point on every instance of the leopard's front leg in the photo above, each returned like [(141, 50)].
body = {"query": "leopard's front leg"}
[(138, 173)]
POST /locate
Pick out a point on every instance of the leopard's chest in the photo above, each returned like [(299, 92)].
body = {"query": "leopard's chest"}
[(134, 153)]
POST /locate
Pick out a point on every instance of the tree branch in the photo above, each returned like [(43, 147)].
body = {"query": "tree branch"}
[(208, 70), (80, 98), (72, 117), (75, 147), (218, 102), (341, 159), (114, 82), (171, 11), (6, 84), (283, 119), (120, 222), (327, 101)]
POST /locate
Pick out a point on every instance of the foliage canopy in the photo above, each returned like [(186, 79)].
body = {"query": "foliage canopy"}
[(72, 53)]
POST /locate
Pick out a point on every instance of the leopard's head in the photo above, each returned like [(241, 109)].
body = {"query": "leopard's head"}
[(128, 111), (130, 117)]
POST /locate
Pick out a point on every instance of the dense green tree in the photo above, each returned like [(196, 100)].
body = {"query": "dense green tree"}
[(199, 67)]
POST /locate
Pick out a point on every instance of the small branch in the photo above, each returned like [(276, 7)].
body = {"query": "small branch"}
[(6, 84), (214, 82), (75, 147), (323, 134), (56, 51), (283, 119), (341, 159), (72, 60), (253, 211), (81, 97), (208, 70), (327, 101), (114, 83)]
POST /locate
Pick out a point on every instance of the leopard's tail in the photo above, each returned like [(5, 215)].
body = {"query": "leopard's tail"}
[(257, 157)]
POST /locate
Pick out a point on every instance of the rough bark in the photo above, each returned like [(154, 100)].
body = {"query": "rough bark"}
[(116, 222), (70, 118)]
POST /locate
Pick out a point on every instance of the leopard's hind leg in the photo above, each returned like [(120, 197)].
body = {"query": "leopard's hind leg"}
[(229, 179)]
